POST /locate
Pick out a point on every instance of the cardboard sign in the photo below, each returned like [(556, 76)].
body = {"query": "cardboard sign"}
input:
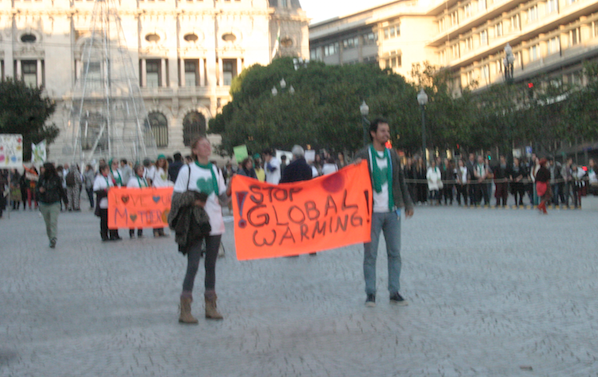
[(11, 151), (136, 208), (297, 218), (38, 153), (240, 153)]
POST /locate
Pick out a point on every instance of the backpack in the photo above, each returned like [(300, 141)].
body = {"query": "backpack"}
[(70, 179)]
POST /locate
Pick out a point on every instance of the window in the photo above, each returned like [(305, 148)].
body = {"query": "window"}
[(194, 125), (159, 126), (467, 10), (29, 72), (470, 77), (392, 31), (370, 38), (482, 5), (191, 72), (552, 6), (574, 37), (441, 24), (394, 61), (153, 78), (191, 37), (484, 37), (350, 43), (92, 130), (532, 14), (553, 45), (315, 54), (331, 49), (595, 29), (442, 57), (498, 29), (229, 71), (28, 38), (486, 72), (455, 51), (515, 25), (454, 18), (534, 53), (469, 44)]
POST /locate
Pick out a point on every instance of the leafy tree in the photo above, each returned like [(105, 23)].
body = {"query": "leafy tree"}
[(24, 110)]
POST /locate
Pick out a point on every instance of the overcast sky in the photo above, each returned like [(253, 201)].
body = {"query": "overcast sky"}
[(320, 10)]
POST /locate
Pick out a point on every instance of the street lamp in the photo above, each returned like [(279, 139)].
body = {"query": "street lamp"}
[(364, 109), (509, 61), (422, 99)]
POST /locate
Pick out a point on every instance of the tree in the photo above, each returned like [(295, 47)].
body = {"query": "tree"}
[(24, 110)]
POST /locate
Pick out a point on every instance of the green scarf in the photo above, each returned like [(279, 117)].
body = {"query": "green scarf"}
[(377, 175), (214, 180)]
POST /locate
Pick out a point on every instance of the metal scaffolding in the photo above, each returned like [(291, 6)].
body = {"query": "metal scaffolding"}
[(108, 116)]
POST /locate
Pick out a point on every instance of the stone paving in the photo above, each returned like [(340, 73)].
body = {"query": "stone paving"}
[(491, 293)]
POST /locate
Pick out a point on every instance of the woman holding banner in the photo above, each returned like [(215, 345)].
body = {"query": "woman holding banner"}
[(101, 185), (137, 181), (203, 177), (159, 178)]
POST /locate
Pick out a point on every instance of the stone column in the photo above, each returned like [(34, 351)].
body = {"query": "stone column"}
[(40, 73), (163, 73), (143, 74), (182, 70), (202, 72)]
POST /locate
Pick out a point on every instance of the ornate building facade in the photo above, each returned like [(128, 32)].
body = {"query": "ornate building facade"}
[(185, 54)]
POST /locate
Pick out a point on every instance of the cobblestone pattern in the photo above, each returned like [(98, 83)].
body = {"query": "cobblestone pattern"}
[(492, 293)]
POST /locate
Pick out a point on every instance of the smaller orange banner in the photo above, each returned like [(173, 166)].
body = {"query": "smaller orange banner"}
[(138, 208), (303, 217)]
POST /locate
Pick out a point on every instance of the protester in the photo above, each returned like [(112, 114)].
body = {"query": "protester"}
[(390, 194), (577, 175), (283, 163), (259, 170), (88, 177), (73, 184), (173, 169), (160, 179), (125, 171), (3, 190), (434, 182), (481, 188), (202, 177), (543, 185), (115, 174), (103, 182), (246, 169), (272, 167), (137, 181), (49, 191), (15, 189), (462, 183), (501, 174), (516, 176)]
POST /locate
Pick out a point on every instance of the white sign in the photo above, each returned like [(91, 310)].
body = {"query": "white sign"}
[(310, 156), (38, 153), (11, 151)]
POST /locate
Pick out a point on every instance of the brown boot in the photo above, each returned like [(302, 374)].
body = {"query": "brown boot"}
[(185, 309), (211, 309)]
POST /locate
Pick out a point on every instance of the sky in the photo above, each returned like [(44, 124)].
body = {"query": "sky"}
[(320, 10)]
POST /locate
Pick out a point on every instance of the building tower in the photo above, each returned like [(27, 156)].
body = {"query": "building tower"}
[(108, 115)]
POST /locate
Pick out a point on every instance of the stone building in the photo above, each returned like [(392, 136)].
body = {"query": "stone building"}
[(185, 54)]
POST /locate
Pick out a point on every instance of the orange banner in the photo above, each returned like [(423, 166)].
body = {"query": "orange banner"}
[(138, 208), (303, 217)]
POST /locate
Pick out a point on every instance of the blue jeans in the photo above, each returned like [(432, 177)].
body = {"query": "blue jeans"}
[(390, 225)]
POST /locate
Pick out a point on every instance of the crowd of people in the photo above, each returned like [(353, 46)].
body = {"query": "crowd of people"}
[(473, 181)]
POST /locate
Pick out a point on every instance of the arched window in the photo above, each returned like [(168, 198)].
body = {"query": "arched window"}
[(159, 125), (194, 125), (93, 129)]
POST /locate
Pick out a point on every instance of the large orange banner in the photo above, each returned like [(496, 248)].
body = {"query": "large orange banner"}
[(303, 217), (138, 208)]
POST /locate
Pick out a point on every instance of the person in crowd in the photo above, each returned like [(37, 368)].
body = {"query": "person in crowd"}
[(104, 182), (88, 177), (3, 190), (188, 159), (471, 178), (271, 166), (566, 172), (501, 175), (73, 184), (15, 189), (462, 182), (481, 188), (137, 181), (160, 179), (543, 185), (449, 181), (50, 192), (556, 181), (246, 169), (577, 183), (201, 177), (434, 182), (259, 169), (28, 183), (229, 171), (517, 174), (177, 164), (316, 165), (534, 166), (115, 174), (592, 175), (390, 195), (125, 171), (409, 171), (329, 166), (283, 163), (422, 184), (340, 161)]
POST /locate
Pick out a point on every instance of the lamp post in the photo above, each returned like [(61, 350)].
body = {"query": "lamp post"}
[(364, 109), (283, 86), (422, 99), (509, 61)]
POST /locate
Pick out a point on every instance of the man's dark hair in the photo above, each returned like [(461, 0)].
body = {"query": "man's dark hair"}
[(283, 157), (177, 156), (374, 126), (123, 161), (268, 151)]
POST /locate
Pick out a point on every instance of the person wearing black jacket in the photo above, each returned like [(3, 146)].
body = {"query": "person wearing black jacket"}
[(49, 192), (177, 164), (501, 175), (298, 169), (516, 174)]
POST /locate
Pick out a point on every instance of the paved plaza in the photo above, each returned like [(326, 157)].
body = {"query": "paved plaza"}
[(491, 292)]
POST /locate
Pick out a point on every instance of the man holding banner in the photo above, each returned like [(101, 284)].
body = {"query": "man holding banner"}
[(390, 195)]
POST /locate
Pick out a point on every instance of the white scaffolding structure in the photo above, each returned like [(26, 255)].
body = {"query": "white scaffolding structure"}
[(108, 116)]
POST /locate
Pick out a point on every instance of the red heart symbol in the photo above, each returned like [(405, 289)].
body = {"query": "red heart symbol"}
[(125, 198), (19, 140)]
